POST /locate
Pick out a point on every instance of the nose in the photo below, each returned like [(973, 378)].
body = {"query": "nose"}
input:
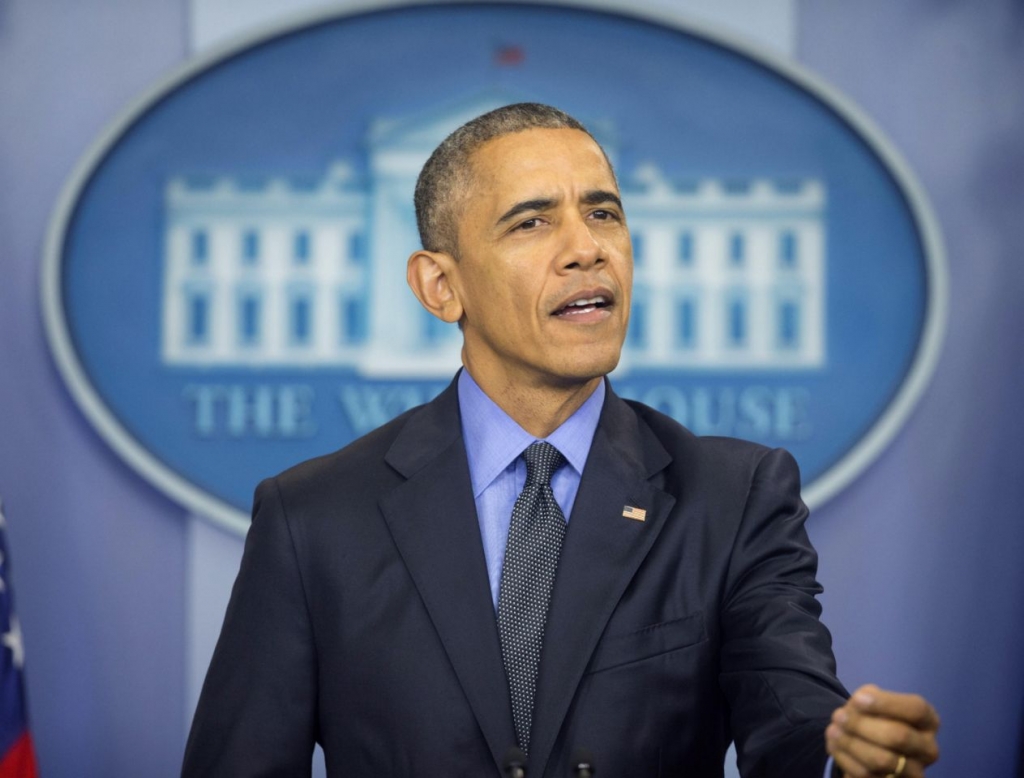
[(582, 249)]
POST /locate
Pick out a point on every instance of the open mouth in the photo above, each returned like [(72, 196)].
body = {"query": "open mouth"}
[(584, 305)]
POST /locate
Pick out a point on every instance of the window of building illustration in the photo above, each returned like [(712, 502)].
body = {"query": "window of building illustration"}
[(686, 248), (686, 323), (789, 324), (200, 250), (638, 248), (250, 247), (788, 249), (353, 319), (197, 318), (636, 336), (301, 247), (357, 248), (249, 318), (300, 319), (736, 321), (737, 249)]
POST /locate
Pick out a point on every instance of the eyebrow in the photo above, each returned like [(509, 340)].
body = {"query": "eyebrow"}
[(539, 204), (598, 196), (593, 197)]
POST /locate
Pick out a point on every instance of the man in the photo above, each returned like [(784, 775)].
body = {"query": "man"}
[(418, 603)]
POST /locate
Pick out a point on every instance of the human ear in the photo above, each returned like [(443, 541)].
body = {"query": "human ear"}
[(430, 274)]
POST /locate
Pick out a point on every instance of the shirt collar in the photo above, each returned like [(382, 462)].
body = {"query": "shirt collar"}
[(493, 440)]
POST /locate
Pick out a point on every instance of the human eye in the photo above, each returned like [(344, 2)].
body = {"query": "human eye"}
[(529, 224), (605, 214)]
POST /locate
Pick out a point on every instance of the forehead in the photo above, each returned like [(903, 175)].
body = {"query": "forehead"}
[(538, 158)]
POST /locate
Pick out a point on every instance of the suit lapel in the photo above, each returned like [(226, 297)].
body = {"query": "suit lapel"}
[(600, 555), (432, 518)]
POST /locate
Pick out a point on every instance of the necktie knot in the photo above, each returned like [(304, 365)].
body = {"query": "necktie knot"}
[(542, 460)]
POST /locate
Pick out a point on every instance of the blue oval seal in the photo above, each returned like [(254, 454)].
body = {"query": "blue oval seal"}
[(224, 286)]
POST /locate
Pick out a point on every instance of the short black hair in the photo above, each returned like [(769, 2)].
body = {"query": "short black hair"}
[(445, 177)]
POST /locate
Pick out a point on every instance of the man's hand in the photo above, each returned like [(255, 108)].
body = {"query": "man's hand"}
[(880, 733)]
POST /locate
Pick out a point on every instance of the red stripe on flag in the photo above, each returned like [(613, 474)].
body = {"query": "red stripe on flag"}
[(20, 759)]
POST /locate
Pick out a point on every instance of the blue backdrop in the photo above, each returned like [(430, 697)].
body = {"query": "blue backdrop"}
[(920, 556)]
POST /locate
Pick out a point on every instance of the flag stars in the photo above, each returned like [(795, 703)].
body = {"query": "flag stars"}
[(12, 640)]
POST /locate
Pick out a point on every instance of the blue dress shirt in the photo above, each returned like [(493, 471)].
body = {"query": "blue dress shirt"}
[(494, 443)]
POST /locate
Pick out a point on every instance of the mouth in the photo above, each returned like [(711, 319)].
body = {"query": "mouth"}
[(585, 305)]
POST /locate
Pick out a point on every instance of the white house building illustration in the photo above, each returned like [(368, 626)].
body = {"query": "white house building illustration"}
[(728, 274)]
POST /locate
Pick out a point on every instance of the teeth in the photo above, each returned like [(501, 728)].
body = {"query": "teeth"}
[(583, 305), (591, 301)]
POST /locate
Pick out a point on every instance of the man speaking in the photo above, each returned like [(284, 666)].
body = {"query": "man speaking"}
[(530, 565)]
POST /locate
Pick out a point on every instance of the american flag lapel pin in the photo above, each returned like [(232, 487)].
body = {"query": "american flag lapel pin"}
[(632, 512)]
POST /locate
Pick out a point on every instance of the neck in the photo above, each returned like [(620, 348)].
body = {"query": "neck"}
[(539, 409)]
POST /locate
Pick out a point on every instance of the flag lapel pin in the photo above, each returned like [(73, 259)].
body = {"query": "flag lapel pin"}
[(631, 512)]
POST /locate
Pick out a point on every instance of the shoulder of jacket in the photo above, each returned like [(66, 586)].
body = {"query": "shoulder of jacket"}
[(358, 458)]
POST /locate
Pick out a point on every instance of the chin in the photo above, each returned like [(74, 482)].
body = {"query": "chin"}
[(585, 370)]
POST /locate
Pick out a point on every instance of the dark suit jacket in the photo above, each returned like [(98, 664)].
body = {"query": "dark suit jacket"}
[(362, 618)]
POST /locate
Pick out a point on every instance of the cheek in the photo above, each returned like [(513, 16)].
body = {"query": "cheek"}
[(514, 290), (498, 303)]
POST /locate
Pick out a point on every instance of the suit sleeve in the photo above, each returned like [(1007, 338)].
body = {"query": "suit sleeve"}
[(257, 711), (776, 663)]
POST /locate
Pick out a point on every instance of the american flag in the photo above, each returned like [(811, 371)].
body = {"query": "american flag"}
[(629, 511), (17, 756)]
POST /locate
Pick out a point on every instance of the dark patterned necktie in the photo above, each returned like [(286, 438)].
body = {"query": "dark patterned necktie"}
[(531, 558)]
